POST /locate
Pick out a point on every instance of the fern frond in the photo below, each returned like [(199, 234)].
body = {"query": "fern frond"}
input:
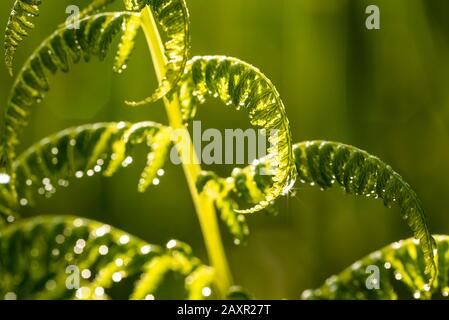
[(180, 261), (19, 24), (401, 275), (130, 28), (172, 16), (83, 151), (244, 86), (64, 47), (18, 27), (325, 164), (44, 257), (221, 193)]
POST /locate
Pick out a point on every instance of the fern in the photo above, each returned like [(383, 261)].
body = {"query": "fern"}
[(130, 28), (220, 193), (16, 30), (19, 24), (36, 253), (64, 47), (325, 164), (84, 151), (171, 15), (401, 268), (244, 86), (173, 18)]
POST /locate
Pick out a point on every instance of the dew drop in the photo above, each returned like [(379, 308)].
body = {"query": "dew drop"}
[(78, 222), (117, 276), (445, 292), (60, 239), (206, 292), (50, 285), (119, 262), (82, 292), (103, 250), (102, 230), (86, 274), (145, 249), (99, 291), (124, 239), (4, 178), (171, 244), (128, 160)]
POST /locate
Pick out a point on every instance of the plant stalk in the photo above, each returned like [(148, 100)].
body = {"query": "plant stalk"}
[(203, 204)]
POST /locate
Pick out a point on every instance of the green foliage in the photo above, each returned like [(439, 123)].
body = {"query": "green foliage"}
[(245, 87), (359, 173), (219, 191), (171, 15), (35, 253), (401, 274), (19, 24), (130, 30), (324, 164), (39, 257), (173, 18), (84, 151), (64, 47)]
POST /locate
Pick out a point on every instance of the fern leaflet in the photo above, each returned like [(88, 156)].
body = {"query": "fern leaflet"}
[(171, 15), (244, 86), (38, 256), (19, 24), (64, 47), (173, 18), (401, 275), (325, 164), (84, 151), (220, 192)]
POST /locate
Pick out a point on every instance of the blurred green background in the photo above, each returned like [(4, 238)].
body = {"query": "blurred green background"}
[(385, 91)]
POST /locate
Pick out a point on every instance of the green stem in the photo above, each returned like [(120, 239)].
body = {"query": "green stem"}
[(203, 204)]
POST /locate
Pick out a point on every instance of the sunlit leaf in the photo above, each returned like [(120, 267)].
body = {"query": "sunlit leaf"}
[(246, 88), (63, 257), (63, 48), (325, 164), (84, 151), (394, 272)]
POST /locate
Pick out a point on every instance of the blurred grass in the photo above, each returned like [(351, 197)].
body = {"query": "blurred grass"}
[(384, 91)]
